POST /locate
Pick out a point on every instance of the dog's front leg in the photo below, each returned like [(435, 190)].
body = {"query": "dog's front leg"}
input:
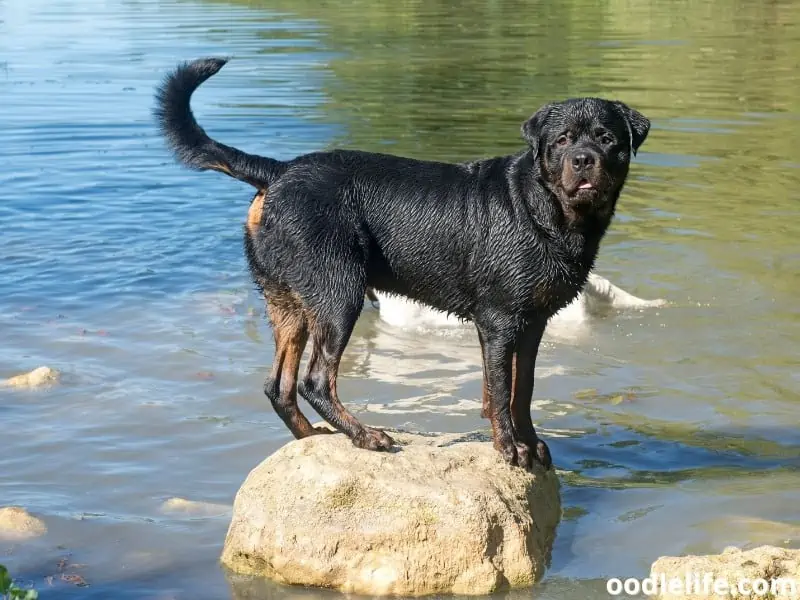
[(498, 346), (529, 338), (486, 403)]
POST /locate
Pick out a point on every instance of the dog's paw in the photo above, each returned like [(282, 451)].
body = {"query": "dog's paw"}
[(372, 439), (522, 455), (510, 453), (525, 456)]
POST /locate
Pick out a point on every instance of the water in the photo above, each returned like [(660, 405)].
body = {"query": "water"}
[(126, 272)]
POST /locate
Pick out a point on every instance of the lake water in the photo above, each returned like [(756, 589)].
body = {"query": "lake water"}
[(126, 272)]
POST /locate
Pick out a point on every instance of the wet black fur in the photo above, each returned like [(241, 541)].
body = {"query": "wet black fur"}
[(504, 242)]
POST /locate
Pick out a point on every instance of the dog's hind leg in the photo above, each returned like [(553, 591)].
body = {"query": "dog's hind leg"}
[(332, 326), (290, 330)]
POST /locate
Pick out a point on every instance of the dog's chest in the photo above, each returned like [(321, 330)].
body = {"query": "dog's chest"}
[(552, 291), (543, 278), (556, 296), (564, 271)]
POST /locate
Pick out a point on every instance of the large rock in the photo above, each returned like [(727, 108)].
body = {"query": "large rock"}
[(777, 568), (441, 514)]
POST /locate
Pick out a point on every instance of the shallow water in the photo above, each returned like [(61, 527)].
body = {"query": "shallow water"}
[(126, 272)]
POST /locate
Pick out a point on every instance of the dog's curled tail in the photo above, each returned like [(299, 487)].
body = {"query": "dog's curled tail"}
[(189, 141)]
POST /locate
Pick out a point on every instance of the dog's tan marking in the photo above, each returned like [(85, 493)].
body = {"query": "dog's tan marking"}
[(290, 330), (221, 167), (255, 211)]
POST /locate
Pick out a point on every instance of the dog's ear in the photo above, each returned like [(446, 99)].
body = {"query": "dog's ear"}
[(638, 125), (532, 128)]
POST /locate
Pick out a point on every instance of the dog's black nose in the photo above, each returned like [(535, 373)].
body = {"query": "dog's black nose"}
[(583, 160)]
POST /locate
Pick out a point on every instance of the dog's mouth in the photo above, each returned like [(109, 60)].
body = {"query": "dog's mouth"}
[(582, 191)]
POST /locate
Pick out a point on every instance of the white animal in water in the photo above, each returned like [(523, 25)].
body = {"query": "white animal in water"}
[(598, 295)]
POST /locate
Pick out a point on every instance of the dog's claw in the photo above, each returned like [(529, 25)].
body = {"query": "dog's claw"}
[(384, 440), (543, 454), (372, 439)]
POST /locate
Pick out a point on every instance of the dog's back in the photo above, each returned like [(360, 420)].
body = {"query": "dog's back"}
[(445, 234)]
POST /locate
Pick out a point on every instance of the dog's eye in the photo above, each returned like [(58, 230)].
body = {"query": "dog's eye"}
[(605, 137), (562, 140)]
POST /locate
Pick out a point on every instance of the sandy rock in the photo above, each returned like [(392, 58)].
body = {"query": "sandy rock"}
[(181, 506), (39, 377), (17, 524), (442, 514), (778, 568)]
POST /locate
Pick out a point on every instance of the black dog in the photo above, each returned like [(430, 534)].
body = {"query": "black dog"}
[(505, 242)]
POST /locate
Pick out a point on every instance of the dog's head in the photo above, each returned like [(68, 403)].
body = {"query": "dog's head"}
[(583, 148)]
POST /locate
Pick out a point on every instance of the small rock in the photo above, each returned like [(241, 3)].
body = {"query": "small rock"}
[(39, 377), (192, 508), (17, 524), (777, 568), (441, 514)]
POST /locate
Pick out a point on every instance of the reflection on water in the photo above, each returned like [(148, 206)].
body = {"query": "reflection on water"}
[(676, 429)]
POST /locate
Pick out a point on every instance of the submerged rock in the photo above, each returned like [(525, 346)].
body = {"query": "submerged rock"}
[(752, 531), (441, 514), (776, 568), (193, 508), (17, 524), (39, 377)]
